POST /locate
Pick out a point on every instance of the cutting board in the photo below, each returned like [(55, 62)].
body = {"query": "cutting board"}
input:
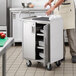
[(3, 41)]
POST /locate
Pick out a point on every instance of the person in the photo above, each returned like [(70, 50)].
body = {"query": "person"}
[(66, 9)]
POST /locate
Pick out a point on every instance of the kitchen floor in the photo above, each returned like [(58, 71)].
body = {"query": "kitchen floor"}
[(16, 66)]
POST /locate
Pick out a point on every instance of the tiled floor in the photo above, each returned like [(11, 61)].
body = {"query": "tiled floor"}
[(16, 66)]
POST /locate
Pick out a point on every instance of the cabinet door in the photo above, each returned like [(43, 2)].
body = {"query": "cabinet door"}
[(29, 40), (56, 40), (17, 28)]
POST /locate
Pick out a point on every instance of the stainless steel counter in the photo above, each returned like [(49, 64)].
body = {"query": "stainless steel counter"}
[(27, 9)]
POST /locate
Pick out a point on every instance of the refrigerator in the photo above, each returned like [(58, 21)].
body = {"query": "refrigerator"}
[(3, 13), (3, 16)]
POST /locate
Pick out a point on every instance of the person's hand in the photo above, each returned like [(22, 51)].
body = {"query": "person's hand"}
[(50, 11), (48, 3)]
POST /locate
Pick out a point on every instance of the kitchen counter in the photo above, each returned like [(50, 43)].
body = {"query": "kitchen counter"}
[(27, 9)]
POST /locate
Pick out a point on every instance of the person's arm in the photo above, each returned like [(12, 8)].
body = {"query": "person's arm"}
[(48, 3), (51, 0), (59, 2)]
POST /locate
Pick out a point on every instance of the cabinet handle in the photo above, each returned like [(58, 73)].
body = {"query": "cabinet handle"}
[(33, 29)]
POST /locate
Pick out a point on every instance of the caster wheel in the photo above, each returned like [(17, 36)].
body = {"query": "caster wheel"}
[(28, 63), (58, 63), (49, 67), (38, 62)]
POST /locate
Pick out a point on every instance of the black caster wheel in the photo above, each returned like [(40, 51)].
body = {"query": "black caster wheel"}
[(28, 63), (58, 63), (38, 62), (49, 67)]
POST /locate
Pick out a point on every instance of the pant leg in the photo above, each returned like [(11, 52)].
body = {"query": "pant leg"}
[(71, 34), (64, 50)]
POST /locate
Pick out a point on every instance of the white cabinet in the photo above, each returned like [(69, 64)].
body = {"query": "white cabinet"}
[(43, 39)]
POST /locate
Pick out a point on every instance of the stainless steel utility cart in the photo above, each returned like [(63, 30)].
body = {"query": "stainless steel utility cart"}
[(43, 40)]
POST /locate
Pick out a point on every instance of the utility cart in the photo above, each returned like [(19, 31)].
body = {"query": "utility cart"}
[(43, 40)]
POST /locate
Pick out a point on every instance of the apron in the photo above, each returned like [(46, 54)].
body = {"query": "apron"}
[(67, 11)]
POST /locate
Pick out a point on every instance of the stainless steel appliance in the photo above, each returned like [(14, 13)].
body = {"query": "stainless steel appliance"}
[(3, 15), (3, 12)]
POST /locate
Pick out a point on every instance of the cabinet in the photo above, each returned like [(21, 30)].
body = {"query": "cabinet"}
[(43, 40)]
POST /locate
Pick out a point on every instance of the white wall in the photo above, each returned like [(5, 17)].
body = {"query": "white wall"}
[(9, 3), (17, 3)]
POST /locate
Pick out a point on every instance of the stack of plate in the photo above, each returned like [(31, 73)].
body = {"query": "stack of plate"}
[(41, 43), (41, 55)]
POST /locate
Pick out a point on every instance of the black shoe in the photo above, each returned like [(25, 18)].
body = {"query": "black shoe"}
[(73, 59), (63, 59)]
